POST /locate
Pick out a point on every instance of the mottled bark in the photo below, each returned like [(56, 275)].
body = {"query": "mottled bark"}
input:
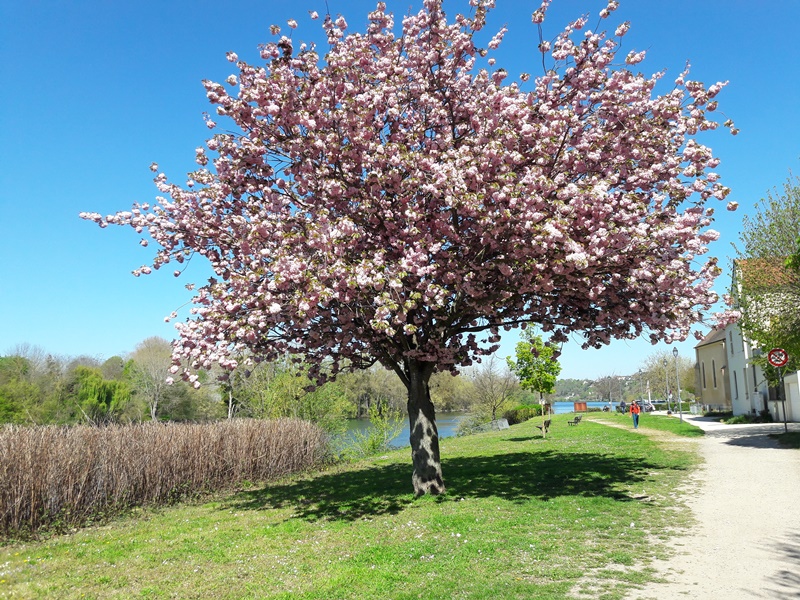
[(427, 476)]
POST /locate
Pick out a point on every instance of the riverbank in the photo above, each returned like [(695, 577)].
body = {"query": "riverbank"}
[(524, 517)]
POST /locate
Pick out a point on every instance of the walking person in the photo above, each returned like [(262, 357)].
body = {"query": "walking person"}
[(635, 410)]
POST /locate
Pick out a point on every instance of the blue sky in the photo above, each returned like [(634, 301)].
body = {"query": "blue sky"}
[(97, 90)]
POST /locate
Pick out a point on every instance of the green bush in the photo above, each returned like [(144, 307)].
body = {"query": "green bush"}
[(718, 413), (763, 417), (386, 423), (738, 420), (471, 424), (522, 413)]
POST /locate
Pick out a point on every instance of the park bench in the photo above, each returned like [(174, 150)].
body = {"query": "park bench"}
[(544, 427), (575, 421)]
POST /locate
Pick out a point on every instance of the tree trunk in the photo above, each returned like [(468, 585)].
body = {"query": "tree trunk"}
[(230, 404), (154, 410), (427, 477)]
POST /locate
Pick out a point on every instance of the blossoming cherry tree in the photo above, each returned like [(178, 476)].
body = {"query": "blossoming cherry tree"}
[(402, 199)]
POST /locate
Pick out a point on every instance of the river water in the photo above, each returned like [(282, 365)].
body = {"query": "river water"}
[(446, 423)]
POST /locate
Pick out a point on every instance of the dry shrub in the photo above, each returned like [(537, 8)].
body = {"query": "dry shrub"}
[(57, 477)]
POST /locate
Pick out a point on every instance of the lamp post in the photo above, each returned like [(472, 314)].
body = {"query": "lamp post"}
[(678, 383), (666, 384), (639, 377)]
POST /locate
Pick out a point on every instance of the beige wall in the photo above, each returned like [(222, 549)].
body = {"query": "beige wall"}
[(712, 379)]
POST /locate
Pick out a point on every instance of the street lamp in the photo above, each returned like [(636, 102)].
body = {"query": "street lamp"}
[(666, 384), (639, 376), (678, 383)]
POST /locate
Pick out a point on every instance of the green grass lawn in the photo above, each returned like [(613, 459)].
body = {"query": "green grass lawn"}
[(669, 424), (585, 511)]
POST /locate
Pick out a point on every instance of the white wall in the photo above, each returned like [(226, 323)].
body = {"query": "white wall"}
[(791, 389), (791, 385), (747, 384)]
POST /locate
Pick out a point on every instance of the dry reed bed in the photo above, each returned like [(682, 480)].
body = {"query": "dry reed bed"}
[(56, 477)]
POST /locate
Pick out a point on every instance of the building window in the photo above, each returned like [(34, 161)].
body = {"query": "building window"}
[(714, 372), (703, 372), (730, 337), (735, 386)]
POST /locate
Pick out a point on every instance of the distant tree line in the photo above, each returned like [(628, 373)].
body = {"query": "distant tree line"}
[(657, 374), (38, 388)]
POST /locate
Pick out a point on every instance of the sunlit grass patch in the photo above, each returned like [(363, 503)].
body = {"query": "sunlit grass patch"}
[(671, 424)]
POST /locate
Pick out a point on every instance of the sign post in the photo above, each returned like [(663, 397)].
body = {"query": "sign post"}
[(778, 357)]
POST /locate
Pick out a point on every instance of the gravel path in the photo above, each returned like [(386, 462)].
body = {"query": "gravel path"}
[(746, 543)]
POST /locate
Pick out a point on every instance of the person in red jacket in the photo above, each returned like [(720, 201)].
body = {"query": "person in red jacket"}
[(635, 410)]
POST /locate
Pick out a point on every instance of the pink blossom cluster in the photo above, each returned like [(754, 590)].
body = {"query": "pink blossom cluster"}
[(399, 202), (726, 317), (730, 315)]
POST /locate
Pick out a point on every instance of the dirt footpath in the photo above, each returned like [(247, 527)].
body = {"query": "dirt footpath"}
[(746, 543)]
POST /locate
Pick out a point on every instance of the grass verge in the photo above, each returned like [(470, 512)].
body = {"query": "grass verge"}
[(584, 513), (787, 440)]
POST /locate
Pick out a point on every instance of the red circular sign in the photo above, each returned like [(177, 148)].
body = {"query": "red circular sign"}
[(778, 357)]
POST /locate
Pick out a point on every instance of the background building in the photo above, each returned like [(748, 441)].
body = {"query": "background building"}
[(713, 388)]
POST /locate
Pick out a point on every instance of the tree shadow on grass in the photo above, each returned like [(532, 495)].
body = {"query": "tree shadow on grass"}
[(520, 476), (346, 496), (516, 477)]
